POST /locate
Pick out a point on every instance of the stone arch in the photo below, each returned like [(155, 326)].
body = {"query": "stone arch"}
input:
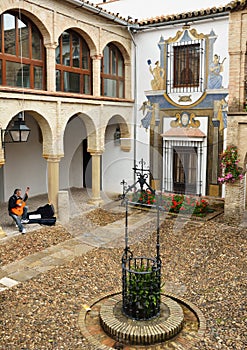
[(51, 145), (90, 42), (125, 52), (120, 122), (45, 127), (50, 142), (39, 22), (91, 129), (29, 158), (81, 139), (88, 38), (122, 48)]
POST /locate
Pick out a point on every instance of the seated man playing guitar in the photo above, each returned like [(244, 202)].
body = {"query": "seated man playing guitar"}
[(17, 208)]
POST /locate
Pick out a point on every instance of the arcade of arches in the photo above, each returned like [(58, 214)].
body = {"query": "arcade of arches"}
[(70, 73)]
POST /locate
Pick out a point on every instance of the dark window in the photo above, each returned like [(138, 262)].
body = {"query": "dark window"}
[(184, 169), (186, 65), (112, 72), (22, 54), (73, 64)]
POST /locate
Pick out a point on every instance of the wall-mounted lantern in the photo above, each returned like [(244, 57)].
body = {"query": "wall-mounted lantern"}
[(19, 132), (117, 136)]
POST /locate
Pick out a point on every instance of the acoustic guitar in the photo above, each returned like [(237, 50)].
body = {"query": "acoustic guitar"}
[(19, 209)]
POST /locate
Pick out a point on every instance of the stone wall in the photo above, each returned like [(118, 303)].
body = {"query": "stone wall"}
[(235, 194), (234, 202)]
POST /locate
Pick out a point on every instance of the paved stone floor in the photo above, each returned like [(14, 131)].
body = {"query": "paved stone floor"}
[(60, 254), (82, 244), (43, 261), (78, 199)]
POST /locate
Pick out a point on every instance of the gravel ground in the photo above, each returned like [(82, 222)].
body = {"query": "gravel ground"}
[(203, 262)]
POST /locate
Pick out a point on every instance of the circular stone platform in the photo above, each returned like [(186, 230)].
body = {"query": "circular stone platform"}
[(129, 331), (180, 324)]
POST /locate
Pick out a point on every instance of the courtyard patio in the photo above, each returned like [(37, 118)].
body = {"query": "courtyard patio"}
[(203, 262)]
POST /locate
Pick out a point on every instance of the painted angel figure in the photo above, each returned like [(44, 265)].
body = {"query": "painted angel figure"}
[(147, 109)]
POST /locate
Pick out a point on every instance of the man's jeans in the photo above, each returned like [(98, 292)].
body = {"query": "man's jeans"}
[(18, 219)]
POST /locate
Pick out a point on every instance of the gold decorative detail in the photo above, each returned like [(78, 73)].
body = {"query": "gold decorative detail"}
[(194, 123), (186, 26), (220, 112), (185, 98), (175, 38), (193, 33), (176, 123), (185, 120), (196, 35), (176, 104)]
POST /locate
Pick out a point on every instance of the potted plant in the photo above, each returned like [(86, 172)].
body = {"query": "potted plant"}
[(230, 170)]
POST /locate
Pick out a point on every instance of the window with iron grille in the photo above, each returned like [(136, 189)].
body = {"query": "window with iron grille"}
[(22, 53), (73, 64), (184, 169), (186, 65)]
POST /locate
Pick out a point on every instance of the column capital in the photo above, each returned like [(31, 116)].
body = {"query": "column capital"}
[(97, 57), (51, 45), (94, 152), (53, 158)]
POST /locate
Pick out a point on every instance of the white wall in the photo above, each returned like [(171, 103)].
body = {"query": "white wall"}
[(117, 165), (25, 158), (71, 165)]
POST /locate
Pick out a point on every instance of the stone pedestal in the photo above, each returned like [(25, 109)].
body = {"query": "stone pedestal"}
[(96, 173), (234, 202), (63, 207)]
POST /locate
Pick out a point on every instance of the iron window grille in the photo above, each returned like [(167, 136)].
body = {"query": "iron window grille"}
[(185, 66)]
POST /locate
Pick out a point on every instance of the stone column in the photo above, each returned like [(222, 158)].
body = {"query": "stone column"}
[(234, 202), (2, 162), (154, 149), (53, 180), (51, 66), (96, 199), (128, 90), (96, 74), (2, 158)]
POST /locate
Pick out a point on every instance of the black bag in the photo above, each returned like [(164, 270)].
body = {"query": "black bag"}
[(46, 212), (43, 216), (47, 222)]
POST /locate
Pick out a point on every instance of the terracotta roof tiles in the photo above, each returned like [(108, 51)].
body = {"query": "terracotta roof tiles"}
[(234, 5), (184, 132)]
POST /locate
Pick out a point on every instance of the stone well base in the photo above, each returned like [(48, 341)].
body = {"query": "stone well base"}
[(180, 325), (129, 331)]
